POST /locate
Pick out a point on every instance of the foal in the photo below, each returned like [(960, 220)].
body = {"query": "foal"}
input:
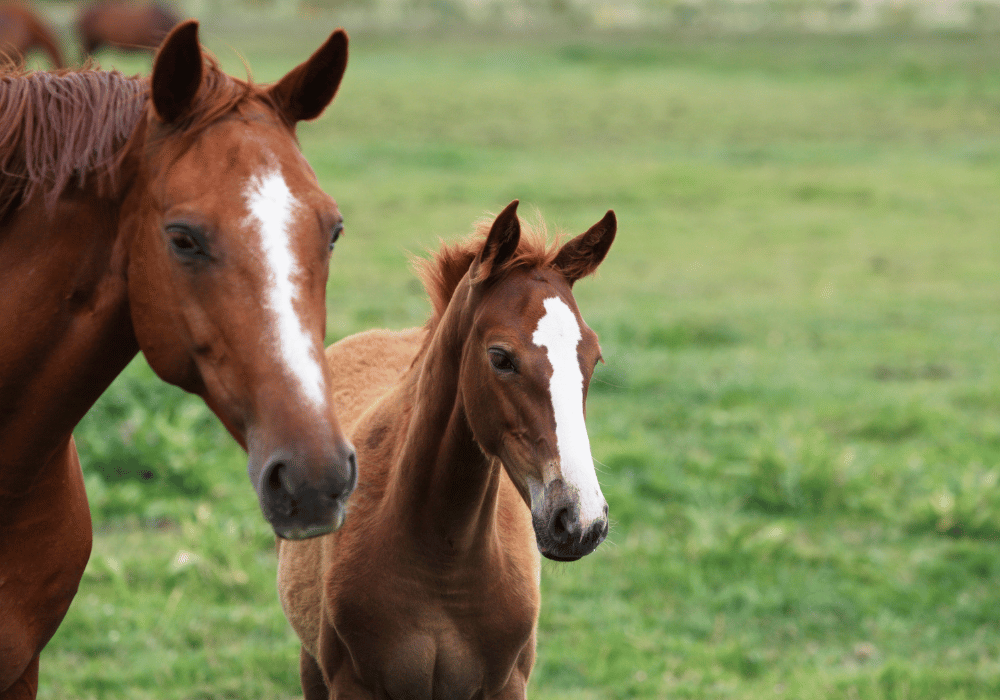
[(472, 436)]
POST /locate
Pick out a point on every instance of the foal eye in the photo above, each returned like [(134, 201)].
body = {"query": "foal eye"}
[(501, 361), (335, 234), (186, 241)]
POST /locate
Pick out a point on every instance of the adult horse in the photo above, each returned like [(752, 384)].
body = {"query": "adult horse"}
[(173, 215), (476, 457), (21, 29), (124, 25)]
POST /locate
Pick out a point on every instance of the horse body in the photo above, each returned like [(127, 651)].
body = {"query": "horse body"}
[(124, 25), (431, 590), (21, 29), (148, 223)]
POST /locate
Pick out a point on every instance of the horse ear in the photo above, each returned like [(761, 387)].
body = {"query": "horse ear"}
[(177, 72), (581, 256), (501, 244), (308, 88)]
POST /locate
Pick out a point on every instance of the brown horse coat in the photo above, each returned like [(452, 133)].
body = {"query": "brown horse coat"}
[(156, 215), (22, 29), (124, 25), (431, 589)]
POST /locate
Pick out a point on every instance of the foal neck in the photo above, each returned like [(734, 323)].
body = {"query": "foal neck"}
[(443, 483)]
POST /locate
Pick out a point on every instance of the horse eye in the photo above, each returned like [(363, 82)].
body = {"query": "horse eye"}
[(501, 361), (335, 234), (186, 242)]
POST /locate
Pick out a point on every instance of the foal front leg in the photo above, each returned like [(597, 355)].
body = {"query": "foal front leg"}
[(313, 683)]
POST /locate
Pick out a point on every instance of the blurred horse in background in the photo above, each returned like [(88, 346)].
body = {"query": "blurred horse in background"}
[(173, 215), (475, 458), (22, 29), (124, 25)]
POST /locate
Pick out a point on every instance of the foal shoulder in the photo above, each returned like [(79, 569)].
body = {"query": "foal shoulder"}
[(363, 366)]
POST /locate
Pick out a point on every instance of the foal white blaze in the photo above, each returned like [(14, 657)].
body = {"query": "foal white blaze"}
[(559, 333), (272, 207)]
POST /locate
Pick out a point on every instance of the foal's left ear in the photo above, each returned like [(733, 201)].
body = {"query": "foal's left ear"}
[(581, 256), (501, 244), (307, 89), (176, 72)]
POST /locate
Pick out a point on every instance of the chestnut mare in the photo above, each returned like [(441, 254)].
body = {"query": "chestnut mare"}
[(124, 25), (173, 215), (476, 457), (21, 29)]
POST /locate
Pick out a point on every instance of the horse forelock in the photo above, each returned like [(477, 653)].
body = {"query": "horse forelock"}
[(442, 272), (71, 124)]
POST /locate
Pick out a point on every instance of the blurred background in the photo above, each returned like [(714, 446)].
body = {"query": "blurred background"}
[(798, 425)]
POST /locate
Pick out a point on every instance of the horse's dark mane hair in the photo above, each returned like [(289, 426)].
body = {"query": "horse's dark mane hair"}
[(73, 124), (443, 270)]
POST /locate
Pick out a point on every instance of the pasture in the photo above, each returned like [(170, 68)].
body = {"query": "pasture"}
[(799, 417)]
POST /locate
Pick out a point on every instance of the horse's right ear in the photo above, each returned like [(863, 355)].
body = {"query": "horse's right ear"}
[(177, 72), (500, 246), (307, 89)]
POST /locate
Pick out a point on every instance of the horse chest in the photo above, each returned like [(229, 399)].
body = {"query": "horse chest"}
[(435, 645)]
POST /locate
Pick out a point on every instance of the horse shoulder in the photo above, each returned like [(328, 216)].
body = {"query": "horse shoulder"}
[(365, 365), (300, 587)]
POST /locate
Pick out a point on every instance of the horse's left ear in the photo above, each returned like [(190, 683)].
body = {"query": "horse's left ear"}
[(177, 72), (500, 245), (307, 89), (581, 256)]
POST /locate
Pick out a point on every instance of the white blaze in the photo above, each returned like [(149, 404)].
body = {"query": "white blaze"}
[(559, 333), (271, 206)]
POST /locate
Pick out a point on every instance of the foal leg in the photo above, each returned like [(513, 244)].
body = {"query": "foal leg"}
[(45, 540), (313, 684)]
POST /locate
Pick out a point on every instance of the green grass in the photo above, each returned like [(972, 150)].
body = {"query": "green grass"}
[(799, 419)]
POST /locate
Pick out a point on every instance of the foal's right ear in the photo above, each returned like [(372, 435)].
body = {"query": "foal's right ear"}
[(581, 256), (177, 72), (500, 245)]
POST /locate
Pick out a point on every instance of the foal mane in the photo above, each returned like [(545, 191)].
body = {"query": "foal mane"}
[(443, 270), (60, 126)]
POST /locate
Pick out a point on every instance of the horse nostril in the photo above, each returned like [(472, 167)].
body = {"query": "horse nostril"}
[(561, 525), (352, 479), (275, 477)]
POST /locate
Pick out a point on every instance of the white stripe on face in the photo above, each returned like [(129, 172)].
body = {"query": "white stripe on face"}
[(559, 333), (271, 206)]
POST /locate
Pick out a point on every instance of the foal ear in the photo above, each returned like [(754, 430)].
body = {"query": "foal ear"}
[(581, 256), (308, 88), (500, 245), (177, 72)]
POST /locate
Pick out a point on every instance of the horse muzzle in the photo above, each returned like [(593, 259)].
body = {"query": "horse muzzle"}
[(299, 507), (560, 531)]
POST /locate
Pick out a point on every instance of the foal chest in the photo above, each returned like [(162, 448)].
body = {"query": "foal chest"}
[(423, 645)]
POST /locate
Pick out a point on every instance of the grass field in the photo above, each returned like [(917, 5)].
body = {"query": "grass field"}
[(799, 419)]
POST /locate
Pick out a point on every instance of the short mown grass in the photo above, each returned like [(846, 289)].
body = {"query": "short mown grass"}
[(798, 425)]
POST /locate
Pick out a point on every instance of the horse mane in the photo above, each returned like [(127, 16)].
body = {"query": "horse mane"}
[(444, 269), (66, 125)]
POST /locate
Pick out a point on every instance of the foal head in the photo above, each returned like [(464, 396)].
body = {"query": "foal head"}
[(525, 373), (230, 241)]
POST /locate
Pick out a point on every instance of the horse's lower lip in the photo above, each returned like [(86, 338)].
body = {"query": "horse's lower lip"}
[(556, 557), (305, 532)]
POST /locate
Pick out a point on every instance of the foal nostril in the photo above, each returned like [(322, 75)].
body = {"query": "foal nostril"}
[(561, 525)]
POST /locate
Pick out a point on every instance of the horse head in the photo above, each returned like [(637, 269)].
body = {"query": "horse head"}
[(525, 374), (230, 238)]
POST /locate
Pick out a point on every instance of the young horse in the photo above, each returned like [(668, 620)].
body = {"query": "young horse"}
[(173, 215), (431, 589), (124, 25), (21, 29)]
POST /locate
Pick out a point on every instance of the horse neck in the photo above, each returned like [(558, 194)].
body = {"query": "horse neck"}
[(443, 485), (73, 287)]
